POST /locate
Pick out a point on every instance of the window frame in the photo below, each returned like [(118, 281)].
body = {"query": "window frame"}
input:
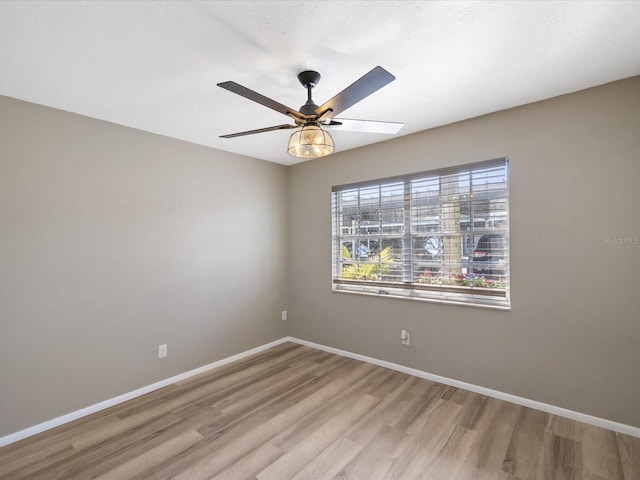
[(409, 287)]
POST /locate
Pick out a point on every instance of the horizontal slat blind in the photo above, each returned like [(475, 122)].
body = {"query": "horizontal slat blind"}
[(441, 235)]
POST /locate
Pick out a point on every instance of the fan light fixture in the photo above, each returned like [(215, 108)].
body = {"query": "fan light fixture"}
[(308, 139), (310, 142)]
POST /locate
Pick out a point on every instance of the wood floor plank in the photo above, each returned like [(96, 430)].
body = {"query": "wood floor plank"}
[(108, 455), (21, 468), (308, 449), (416, 450), (415, 409), (600, 453), (293, 412), (563, 427), (211, 445), (227, 453), (375, 458), (327, 465), (565, 463), (629, 448), (251, 464), (45, 443), (380, 415), (317, 418), (452, 459), (496, 437), (524, 451), (81, 460), (145, 461)]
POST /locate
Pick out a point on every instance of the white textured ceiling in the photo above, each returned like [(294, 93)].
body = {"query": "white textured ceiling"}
[(155, 65)]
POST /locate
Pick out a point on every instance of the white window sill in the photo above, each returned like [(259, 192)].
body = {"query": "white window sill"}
[(442, 298)]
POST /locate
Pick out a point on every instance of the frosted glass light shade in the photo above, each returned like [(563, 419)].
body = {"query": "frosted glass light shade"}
[(310, 142)]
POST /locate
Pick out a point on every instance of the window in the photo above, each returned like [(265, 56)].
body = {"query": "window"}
[(441, 235)]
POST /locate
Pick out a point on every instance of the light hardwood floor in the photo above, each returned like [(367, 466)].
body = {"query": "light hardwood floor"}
[(293, 412)]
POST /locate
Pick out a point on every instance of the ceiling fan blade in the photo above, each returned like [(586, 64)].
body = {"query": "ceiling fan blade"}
[(262, 100), (358, 90), (286, 126), (366, 126)]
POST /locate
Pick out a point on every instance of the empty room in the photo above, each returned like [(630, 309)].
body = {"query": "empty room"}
[(273, 240)]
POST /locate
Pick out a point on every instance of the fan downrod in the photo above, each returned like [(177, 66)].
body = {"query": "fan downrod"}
[(309, 79)]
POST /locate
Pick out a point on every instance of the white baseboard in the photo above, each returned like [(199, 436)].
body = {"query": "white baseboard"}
[(83, 412), (561, 412)]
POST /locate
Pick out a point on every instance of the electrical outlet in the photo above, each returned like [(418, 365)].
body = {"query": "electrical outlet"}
[(405, 338), (162, 351), (284, 315)]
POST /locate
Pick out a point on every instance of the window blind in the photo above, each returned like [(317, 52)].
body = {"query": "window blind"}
[(441, 235)]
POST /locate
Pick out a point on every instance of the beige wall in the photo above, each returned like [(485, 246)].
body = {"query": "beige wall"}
[(572, 337), (114, 241)]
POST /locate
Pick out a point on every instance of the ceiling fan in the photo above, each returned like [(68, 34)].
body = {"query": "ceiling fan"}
[(311, 141)]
